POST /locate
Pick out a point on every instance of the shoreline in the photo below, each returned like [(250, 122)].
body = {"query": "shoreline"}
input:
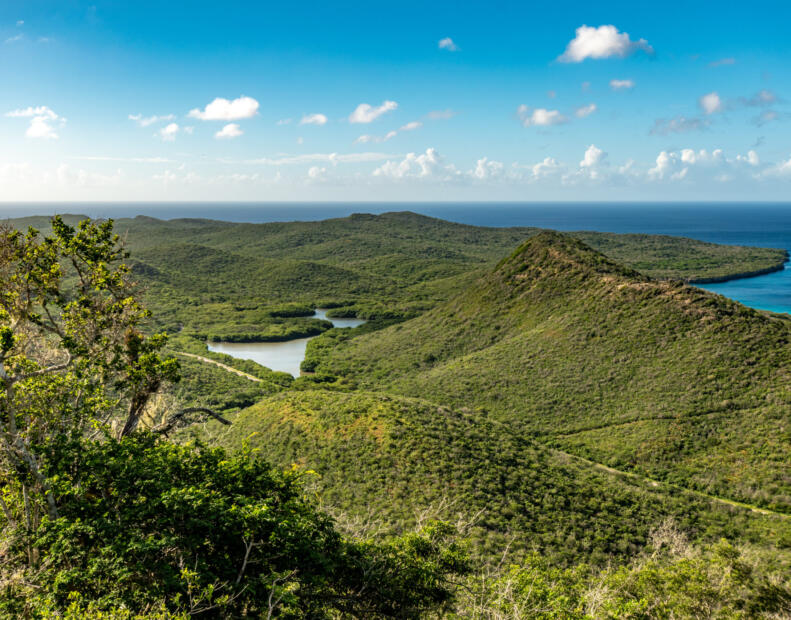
[(741, 276)]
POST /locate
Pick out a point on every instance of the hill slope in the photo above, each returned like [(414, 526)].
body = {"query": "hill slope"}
[(561, 342), (388, 458)]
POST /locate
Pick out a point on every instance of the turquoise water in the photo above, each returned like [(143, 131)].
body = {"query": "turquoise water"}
[(761, 224)]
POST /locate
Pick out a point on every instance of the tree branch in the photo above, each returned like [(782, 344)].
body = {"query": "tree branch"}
[(173, 420)]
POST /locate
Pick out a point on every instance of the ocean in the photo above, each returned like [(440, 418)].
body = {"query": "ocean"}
[(757, 224)]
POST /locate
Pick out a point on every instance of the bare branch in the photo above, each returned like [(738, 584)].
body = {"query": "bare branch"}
[(176, 418)]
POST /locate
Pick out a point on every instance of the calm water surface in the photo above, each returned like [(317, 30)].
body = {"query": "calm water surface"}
[(283, 356)]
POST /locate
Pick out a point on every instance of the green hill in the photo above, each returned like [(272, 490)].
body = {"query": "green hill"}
[(561, 343), (388, 459)]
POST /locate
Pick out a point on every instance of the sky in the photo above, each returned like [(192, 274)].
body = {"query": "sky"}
[(359, 101)]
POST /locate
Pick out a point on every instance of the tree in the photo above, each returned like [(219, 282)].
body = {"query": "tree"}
[(72, 356), (101, 518)]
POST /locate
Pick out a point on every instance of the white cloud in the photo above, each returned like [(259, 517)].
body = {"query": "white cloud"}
[(225, 110), (703, 165), (41, 119), (41, 110), (486, 169), (20, 22), (365, 113), (367, 138), (145, 121), (621, 84), (230, 131), (539, 117), (601, 42), (586, 110), (313, 119), (15, 38), (168, 132), (428, 165), (710, 103), (448, 44), (316, 173), (782, 169), (593, 157), (283, 121), (546, 168)]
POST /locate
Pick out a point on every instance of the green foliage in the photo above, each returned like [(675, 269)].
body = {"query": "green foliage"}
[(397, 458), (655, 377), (712, 581), (146, 524)]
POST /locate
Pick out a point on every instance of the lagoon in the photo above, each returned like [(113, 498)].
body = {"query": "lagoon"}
[(281, 356)]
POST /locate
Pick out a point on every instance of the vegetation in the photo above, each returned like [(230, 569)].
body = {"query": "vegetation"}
[(569, 414), (391, 459), (600, 361), (103, 518)]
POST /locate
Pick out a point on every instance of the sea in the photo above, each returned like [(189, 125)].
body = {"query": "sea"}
[(741, 223)]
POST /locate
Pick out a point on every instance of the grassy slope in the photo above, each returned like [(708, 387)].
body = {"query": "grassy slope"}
[(389, 457), (561, 342)]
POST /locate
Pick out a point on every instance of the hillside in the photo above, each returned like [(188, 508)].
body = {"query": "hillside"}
[(564, 344), (381, 461), (208, 277)]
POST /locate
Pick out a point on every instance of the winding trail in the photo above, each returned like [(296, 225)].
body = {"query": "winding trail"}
[(206, 360), (668, 485), (568, 455)]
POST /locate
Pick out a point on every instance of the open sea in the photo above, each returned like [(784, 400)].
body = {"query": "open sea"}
[(757, 224)]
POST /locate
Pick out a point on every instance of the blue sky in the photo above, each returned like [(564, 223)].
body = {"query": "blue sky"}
[(413, 101)]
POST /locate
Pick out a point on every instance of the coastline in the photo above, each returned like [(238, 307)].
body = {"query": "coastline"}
[(743, 275)]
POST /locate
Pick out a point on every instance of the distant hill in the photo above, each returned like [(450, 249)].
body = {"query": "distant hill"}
[(561, 343)]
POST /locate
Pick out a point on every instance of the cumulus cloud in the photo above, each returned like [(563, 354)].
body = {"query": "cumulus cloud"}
[(602, 42), (428, 165), (539, 117), (227, 110), (679, 124), (284, 121), (487, 169), (722, 62), (15, 38), (366, 113), (710, 103), (169, 132), (41, 121), (621, 84), (585, 110), (688, 164), (313, 119), (411, 126), (145, 121), (230, 131), (316, 173), (781, 169), (448, 44), (546, 168)]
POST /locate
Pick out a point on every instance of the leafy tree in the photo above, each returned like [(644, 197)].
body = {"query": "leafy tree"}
[(146, 524)]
